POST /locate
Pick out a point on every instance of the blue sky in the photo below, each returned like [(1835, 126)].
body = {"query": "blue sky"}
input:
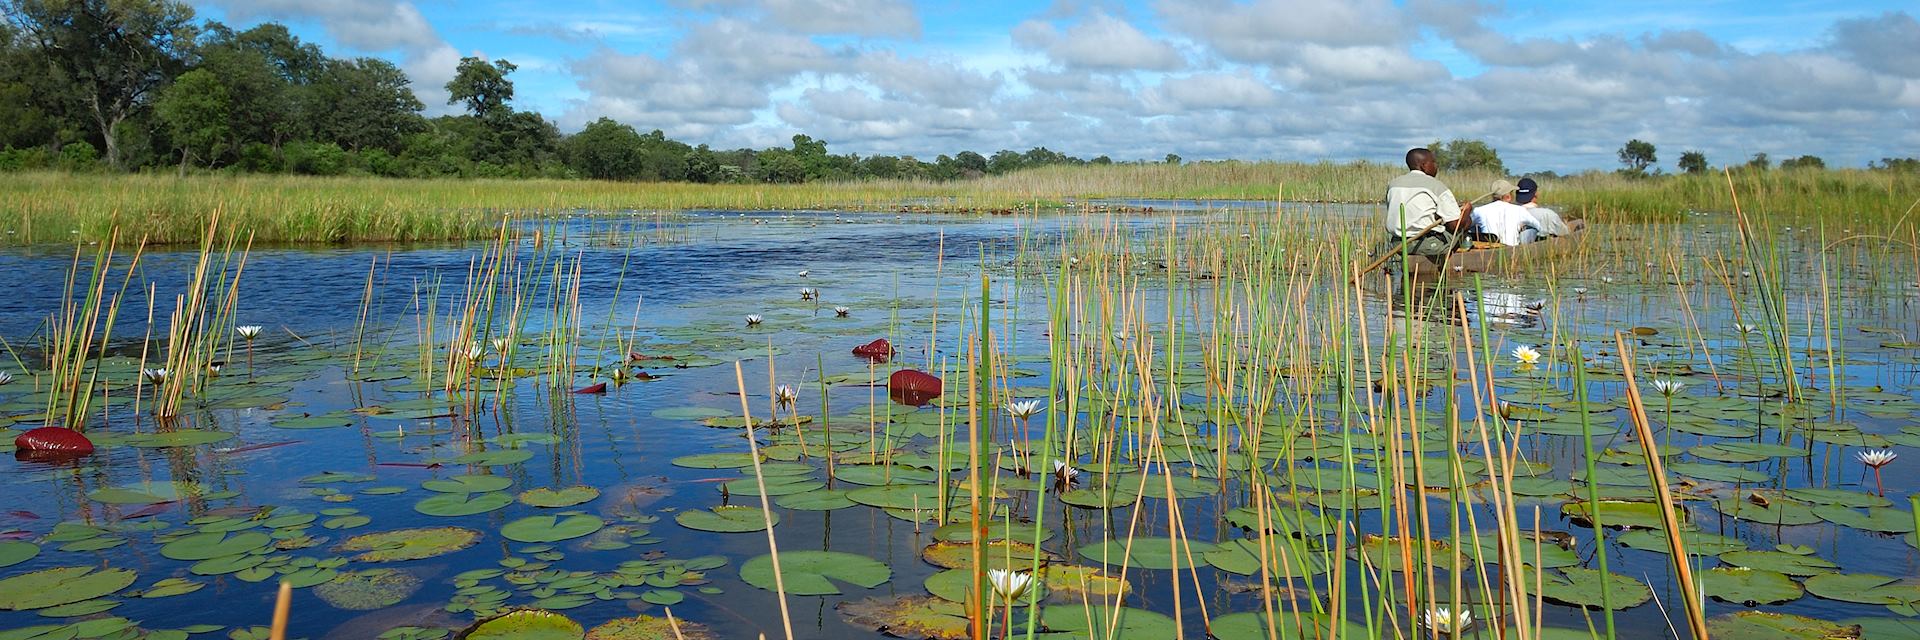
[(1551, 86)]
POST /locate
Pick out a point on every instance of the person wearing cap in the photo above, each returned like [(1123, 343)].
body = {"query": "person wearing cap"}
[(1509, 223), (1422, 212), (1527, 195)]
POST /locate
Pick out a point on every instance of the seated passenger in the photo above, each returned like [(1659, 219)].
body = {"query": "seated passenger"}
[(1528, 195), (1509, 223)]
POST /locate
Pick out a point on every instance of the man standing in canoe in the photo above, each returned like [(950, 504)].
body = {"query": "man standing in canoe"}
[(1422, 212)]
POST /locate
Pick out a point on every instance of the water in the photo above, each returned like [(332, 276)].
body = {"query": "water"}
[(693, 279)]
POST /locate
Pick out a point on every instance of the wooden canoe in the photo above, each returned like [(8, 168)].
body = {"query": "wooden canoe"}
[(1501, 259)]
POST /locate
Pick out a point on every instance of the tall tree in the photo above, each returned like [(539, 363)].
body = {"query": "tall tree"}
[(604, 150), (1637, 155), (482, 86), (365, 104), (117, 53), (1462, 154), (1693, 162), (1804, 162), (197, 112)]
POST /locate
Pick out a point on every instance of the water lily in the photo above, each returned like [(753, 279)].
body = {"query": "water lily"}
[(1010, 586), (753, 319), (1745, 329), (841, 311), (1447, 621), (803, 273), (1579, 291), (499, 345), (1669, 388), (1023, 409), (473, 351), (248, 331), (213, 368), (809, 293), (1526, 354), (619, 374), (785, 395), (6, 378), (1064, 473), (154, 376), (1876, 458)]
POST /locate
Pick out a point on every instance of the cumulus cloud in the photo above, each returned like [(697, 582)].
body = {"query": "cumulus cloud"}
[(371, 26), (1101, 42), (826, 17)]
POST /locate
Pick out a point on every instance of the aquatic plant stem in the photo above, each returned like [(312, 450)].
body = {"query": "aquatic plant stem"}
[(1656, 472), (766, 510), (282, 607)]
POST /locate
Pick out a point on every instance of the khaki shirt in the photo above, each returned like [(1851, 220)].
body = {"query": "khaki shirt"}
[(1415, 200)]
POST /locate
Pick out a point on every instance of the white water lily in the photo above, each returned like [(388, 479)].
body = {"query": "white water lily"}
[(841, 311), (753, 319), (6, 378), (809, 293), (1064, 473), (248, 331), (1526, 354), (803, 273), (499, 345), (785, 395), (1876, 458), (1023, 409), (1011, 586), (1669, 388), (1579, 291), (1745, 328), (619, 374), (214, 368), (1446, 621), (473, 351), (154, 376)]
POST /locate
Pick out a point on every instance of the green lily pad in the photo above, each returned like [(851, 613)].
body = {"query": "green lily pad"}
[(145, 493), (1618, 513), (462, 504), (1778, 511), (170, 587), (816, 500), (1581, 587), (61, 585), (553, 499), (1286, 557), (369, 589), (1762, 625), (16, 552), (812, 573), (909, 617), (552, 528), (1882, 519), (1864, 588), (1792, 564), (409, 544), (727, 519), (214, 544), (1147, 553), (1093, 621), (649, 628), (1749, 586), (956, 584), (714, 461), (525, 624), (1284, 623)]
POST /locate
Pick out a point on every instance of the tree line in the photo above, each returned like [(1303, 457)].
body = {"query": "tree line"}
[(137, 85), (142, 85)]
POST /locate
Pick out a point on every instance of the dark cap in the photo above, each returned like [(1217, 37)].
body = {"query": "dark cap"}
[(1525, 191)]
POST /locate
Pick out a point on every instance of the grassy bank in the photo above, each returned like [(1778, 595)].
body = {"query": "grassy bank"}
[(55, 207)]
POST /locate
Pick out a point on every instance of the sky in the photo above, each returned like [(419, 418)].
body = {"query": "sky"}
[(1551, 86)]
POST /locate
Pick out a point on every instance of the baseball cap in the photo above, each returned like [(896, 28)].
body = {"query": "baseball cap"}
[(1526, 191)]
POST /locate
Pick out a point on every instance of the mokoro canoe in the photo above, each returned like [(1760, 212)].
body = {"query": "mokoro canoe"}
[(1500, 259)]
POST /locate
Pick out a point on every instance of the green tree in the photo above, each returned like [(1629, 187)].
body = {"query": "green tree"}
[(1637, 155), (196, 110), (1803, 162), (1693, 162), (604, 150), (25, 121), (116, 53), (1461, 154), (1896, 164), (368, 102), (1760, 161), (482, 86), (1173, 159), (970, 164)]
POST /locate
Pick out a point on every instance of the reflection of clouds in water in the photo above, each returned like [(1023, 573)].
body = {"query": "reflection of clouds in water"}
[(1509, 308)]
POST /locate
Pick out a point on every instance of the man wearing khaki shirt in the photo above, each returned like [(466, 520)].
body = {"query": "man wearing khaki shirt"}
[(1422, 211)]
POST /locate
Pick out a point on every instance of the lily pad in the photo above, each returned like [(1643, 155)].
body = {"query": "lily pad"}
[(16, 552), (649, 628), (812, 573), (1762, 625), (468, 484), (369, 589), (1581, 587), (1093, 621), (551, 498), (1750, 587), (727, 519), (410, 544), (214, 544), (1284, 623), (525, 624), (61, 585), (462, 504), (552, 528), (1793, 564), (1147, 553), (1864, 588), (911, 617)]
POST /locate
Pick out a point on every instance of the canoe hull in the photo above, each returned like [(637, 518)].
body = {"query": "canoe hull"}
[(1503, 259)]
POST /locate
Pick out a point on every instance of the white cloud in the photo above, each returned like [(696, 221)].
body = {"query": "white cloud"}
[(894, 18), (369, 26), (1101, 42)]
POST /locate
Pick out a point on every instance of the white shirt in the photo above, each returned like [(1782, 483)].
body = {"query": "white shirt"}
[(1504, 220), (1415, 200)]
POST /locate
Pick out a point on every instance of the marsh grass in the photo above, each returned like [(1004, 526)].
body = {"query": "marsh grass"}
[(50, 207)]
